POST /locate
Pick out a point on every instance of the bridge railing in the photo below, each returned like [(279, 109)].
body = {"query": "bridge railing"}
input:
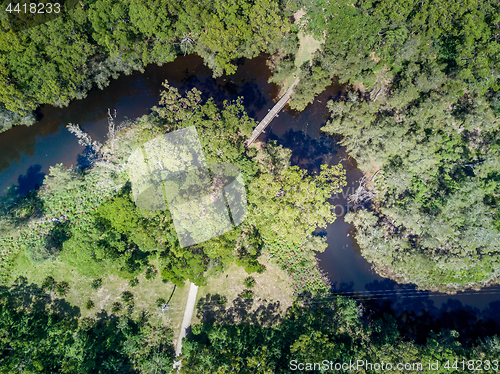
[(272, 113)]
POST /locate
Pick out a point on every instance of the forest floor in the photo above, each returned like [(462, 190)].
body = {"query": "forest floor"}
[(272, 287), (145, 293), (308, 46)]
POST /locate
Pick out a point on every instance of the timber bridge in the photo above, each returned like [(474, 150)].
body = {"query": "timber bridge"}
[(272, 113)]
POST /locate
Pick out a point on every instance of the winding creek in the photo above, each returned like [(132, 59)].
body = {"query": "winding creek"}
[(27, 152)]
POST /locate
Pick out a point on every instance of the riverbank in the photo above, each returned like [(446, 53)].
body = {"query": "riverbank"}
[(132, 95), (63, 59), (56, 225)]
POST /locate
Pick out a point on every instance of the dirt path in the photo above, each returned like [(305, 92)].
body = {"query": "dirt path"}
[(186, 321)]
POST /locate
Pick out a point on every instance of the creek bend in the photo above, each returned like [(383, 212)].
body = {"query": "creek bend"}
[(26, 153)]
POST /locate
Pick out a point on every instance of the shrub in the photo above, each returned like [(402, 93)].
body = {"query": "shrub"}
[(222, 300), (249, 282), (128, 297), (62, 288), (261, 269), (116, 307), (49, 283), (151, 273), (247, 294), (160, 301), (96, 284), (133, 282), (39, 253), (89, 304)]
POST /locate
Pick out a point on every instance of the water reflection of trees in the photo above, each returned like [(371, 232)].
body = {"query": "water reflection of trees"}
[(184, 73), (417, 313), (307, 152), (32, 179), (15, 143)]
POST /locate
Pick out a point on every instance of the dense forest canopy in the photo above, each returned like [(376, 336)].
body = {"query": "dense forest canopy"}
[(422, 118), (456, 43), (56, 62)]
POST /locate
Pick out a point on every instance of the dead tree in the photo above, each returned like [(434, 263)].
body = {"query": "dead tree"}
[(362, 195)]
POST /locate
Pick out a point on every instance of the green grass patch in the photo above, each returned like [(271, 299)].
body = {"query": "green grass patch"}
[(274, 284), (308, 46), (109, 292)]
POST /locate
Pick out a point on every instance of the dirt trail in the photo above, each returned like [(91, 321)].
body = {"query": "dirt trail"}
[(186, 321)]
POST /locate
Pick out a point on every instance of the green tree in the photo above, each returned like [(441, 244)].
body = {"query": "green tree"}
[(291, 206), (49, 339)]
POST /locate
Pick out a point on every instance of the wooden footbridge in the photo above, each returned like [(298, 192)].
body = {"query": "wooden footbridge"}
[(272, 113)]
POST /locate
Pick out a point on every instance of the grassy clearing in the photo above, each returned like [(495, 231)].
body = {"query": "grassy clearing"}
[(274, 285), (308, 46), (145, 293)]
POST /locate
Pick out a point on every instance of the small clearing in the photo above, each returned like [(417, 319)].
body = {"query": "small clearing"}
[(273, 287), (308, 45), (298, 15)]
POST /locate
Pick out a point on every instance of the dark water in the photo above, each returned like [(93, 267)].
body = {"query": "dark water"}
[(472, 313), (27, 152)]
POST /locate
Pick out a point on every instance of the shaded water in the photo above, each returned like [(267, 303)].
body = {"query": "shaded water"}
[(472, 313), (27, 152)]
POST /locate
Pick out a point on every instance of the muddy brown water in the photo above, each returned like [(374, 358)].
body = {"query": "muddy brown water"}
[(26, 153)]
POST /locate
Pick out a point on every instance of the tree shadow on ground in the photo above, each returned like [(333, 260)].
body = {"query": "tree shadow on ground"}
[(32, 297), (257, 312)]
